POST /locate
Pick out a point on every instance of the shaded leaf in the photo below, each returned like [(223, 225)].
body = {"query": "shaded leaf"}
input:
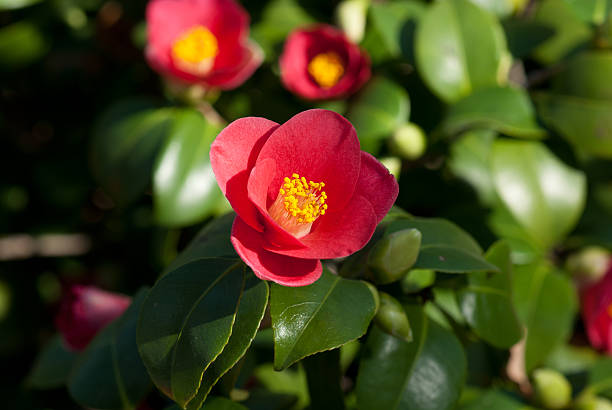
[(21, 44), (52, 365), (591, 11), (318, 317)]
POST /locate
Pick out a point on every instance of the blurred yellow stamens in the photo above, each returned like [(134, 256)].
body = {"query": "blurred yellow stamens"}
[(326, 69), (195, 45)]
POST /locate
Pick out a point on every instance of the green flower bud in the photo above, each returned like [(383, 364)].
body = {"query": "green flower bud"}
[(409, 141), (392, 256), (551, 388), (392, 319)]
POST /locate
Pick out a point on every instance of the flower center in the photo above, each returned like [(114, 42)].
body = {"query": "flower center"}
[(326, 69), (194, 51), (299, 203)]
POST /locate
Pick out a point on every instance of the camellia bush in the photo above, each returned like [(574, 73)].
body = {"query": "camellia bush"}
[(287, 204)]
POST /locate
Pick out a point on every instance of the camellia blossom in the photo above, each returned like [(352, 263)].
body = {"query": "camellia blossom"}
[(201, 42), (321, 63), (85, 310), (302, 191), (596, 301)]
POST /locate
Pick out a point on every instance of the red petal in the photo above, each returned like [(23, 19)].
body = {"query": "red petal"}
[(321, 146), (259, 181), (337, 234), (227, 76), (232, 155), (377, 184), (266, 265)]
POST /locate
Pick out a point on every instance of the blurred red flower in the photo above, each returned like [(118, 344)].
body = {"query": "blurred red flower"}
[(201, 42), (596, 301), (85, 310), (302, 191), (321, 63)]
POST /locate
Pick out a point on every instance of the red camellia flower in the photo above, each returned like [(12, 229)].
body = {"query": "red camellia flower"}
[(321, 63), (596, 301), (201, 41), (302, 191), (85, 310)]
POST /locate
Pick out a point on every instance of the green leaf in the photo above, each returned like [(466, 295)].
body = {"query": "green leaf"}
[(221, 403), (126, 140), (185, 190), (52, 365), (525, 35), (507, 110), (586, 75), (569, 32), (545, 196), (395, 23), (546, 302), (486, 302), (291, 383), (380, 108), (16, 4), (591, 11), (501, 8), (318, 317), (186, 322), (600, 376), (251, 310), (427, 373), (323, 376), (460, 48), (417, 280), (392, 256), (21, 44), (109, 374), (444, 246), (494, 399)]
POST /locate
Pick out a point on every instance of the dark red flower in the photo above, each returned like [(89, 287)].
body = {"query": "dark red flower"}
[(596, 301), (84, 311), (303, 191), (321, 63), (201, 41)]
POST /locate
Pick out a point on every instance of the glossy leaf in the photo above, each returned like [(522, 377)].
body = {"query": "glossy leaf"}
[(52, 366), (486, 302), (546, 303), (126, 140), (427, 373), (545, 196), (184, 187), (186, 321), (318, 317), (507, 110), (380, 108), (460, 48), (251, 309), (444, 246), (592, 11), (109, 374)]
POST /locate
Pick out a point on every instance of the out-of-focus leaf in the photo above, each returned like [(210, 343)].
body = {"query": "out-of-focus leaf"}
[(493, 399), (324, 375), (318, 317), (460, 48), (444, 246), (591, 11), (126, 140), (545, 196), (571, 359), (417, 280), (186, 322), (486, 302), (507, 110), (52, 366), (251, 309), (586, 123), (546, 303), (184, 187), (21, 44), (380, 108), (109, 374), (289, 382), (395, 23), (501, 8), (427, 373), (600, 376), (570, 32), (351, 17), (221, 403), (586, 75), (16, 4), (524, 36)]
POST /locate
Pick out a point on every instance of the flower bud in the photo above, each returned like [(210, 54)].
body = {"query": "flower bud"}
[(392, 256), (409, 141), (392, 319), (590, 264), (551, 388)]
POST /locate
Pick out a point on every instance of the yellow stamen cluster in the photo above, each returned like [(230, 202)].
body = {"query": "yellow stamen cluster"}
[(195, 45), (326, 69), (303, 199)]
